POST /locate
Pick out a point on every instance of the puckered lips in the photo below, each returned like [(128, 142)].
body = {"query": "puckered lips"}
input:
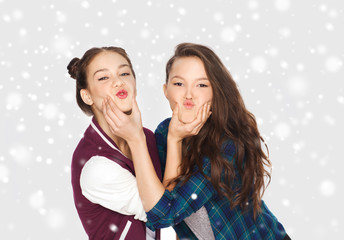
[(122, 94), (188, 104)]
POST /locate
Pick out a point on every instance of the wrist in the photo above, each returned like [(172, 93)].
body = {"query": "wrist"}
[(136, 139), (174, 139)]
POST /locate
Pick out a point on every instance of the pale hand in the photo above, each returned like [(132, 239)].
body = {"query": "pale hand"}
[(179, 130), (128, 127)]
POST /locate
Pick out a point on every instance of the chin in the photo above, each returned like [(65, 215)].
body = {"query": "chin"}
[(187, 117), (126, 109)]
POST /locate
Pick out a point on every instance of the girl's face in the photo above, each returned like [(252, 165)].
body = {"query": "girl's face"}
[(188, 86), (109, 74)]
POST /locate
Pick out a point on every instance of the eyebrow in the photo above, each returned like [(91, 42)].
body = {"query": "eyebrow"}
[(197, 79), (106, 69)]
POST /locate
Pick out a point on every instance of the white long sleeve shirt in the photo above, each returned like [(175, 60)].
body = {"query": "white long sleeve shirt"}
[(106, 183)]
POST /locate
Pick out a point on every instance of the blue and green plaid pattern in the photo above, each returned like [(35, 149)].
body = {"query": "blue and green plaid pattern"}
[(187, 198)]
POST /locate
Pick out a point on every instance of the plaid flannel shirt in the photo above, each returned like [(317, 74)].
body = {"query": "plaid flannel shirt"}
[(185, 199)]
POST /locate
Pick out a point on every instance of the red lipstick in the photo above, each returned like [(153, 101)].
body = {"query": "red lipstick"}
[(188, 104), (122, 94)]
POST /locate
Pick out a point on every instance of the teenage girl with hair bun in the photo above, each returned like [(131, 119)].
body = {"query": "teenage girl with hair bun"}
[(103, 177)]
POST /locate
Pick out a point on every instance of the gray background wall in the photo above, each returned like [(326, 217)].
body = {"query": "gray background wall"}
[(286, 56)]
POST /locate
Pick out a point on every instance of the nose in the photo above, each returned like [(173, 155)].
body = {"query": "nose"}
[(117, 82), (188, 93)]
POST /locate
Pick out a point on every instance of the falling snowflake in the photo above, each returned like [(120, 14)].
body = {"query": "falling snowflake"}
[(194, 196), (327, 188)]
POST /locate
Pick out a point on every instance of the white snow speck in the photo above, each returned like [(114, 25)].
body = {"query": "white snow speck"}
[(255, 16), (282, 130), (182, 11), (49, 161), (50, 111), (321, 49), (333, 64), (286, 202), (285, 32), (228, 35), (327, 188), (85, 4), (194, 196), (60, 17), (284, 65), (39, 159), (11, 226), (298, 146), (282, 181), (300, 67), (55, 219), (329, 27), (329, 120), (25, 75), (297, 85), (282, 5), (37, 199), (333, 13), (145, 33), (67, 169), (253, 4), (218, 17), (323, 8), (4, 173), (47, 128), (104, 31), (340, 99), (6, 18), (17, 15), (113, 228), (20, 154), (258, 64), (61, 45), (14, 101), (272, 51), (68, 96), (171, 31), (21, 127)]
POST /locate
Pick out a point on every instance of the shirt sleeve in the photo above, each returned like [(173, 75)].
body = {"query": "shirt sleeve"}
[(185, 199), (106, 183)]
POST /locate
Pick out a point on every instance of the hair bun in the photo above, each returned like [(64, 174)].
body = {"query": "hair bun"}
[(73, 67)]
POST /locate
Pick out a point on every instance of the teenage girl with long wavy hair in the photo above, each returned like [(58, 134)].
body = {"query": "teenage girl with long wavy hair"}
[(210, 151)]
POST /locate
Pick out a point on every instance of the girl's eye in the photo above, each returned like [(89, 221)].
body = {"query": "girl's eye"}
[(202, 85), (125, 74), (177, 84), (103, 78)]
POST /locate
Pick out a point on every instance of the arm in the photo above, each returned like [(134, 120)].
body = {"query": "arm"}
[(104, 182), (184, 200), (130, 128), (177, 131), (173, 161)]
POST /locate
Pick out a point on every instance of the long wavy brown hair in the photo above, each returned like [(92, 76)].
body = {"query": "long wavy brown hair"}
[(229, 120)]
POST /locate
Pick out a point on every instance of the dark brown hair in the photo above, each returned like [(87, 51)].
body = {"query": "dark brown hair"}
[(229, 120), (77, 69)]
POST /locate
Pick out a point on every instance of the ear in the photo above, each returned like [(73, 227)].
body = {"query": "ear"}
[(165, 90), (86, 97)]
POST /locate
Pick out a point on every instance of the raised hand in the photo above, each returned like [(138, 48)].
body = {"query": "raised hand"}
[(128, 127), (179, 130)]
